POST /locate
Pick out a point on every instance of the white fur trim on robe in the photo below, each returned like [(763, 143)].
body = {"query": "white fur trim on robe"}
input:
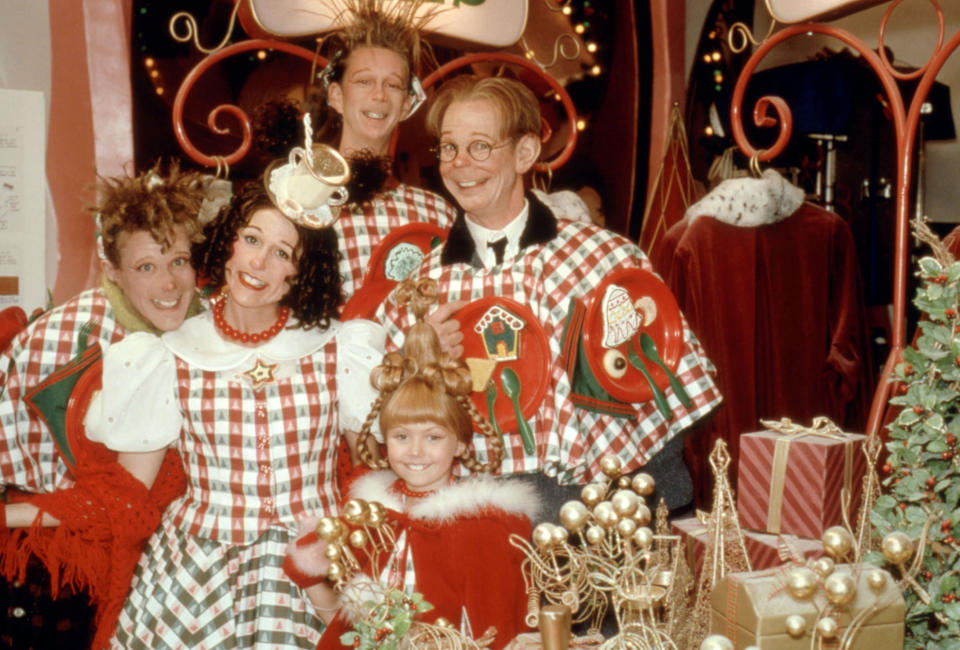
[(749, 202), (470, 495)]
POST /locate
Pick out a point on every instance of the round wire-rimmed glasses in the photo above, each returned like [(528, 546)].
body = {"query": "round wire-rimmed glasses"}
[(479, 150)]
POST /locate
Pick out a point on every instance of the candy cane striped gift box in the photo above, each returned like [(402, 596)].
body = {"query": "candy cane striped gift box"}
[(792, 483), (763, 549)]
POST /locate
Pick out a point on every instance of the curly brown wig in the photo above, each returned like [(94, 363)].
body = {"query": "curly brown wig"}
[(153, 201), (314, 295), (423, 384)]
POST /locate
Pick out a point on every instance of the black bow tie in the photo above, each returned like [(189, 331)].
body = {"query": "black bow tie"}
[(498, 247)]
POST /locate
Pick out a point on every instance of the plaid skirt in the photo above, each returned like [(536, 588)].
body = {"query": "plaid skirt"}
[(190, 592)]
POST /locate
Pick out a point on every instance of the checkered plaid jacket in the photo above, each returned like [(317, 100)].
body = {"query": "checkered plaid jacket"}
[(361, 227), (560, 260), (29, 458)]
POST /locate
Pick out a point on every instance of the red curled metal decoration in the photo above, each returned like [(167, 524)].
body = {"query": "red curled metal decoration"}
[(905, 127), (487, 57), (213, 117)]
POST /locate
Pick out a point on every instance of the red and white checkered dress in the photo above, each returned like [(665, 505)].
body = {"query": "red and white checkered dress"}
[(362, 227), (259, 456), (570, 440), (29, 458)]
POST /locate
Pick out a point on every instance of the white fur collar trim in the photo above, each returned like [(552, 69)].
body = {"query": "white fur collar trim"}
[(198, 343), (468, 496), (749, 202)]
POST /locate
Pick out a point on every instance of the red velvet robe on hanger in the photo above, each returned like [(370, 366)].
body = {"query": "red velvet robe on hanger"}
[(779, 309)]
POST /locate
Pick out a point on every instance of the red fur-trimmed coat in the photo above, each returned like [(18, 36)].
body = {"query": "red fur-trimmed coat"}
[(457, 538)]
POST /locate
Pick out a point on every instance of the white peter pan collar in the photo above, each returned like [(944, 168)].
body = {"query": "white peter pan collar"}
[(198, 343)]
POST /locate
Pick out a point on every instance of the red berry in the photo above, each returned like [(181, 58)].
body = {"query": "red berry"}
[(949, 539), (887, 467), (918, 409), (951, 439), (908, 369), (941, 278), (903, 506), (931, 482), (947, 455), (949, 312), (905, 471)]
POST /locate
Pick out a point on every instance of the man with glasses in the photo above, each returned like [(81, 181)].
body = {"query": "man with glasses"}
[(510, 243)]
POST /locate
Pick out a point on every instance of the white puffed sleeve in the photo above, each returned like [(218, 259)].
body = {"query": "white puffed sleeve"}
[(360, 348), (136, 410)]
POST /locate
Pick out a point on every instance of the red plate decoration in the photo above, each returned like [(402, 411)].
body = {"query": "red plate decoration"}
[(393, 259), (504, 334), (628, 303), (400, 252)]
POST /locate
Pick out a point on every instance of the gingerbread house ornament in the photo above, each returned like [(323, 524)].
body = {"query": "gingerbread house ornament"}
[(500, 331)]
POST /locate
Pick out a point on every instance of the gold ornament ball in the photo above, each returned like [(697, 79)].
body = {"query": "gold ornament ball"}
[(897, 547), (605, 515), (595, 535), (823, 566), (626, 528), (335, 572), (376, 514), (592, 494), (625, 502), (643, 484), (827, 627), (623, 483), (716, 642), (841, 589), (611, 466), (795, 626), (558, 535), (574, 515), (442, 622), (543, 537), (802, 583), (355, 511), (358, 539), (642, 515), (327, 529), (643, 538), (877, 579), (332, 552), (342, 530), (837, 542)]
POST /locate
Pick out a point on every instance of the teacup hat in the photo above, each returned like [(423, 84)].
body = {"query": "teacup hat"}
[(310, 182)]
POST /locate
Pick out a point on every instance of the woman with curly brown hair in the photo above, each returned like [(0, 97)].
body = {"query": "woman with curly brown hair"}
[(255, 394), (427, 420)]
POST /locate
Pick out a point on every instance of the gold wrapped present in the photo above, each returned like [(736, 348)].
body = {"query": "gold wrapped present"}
[(849, 606)]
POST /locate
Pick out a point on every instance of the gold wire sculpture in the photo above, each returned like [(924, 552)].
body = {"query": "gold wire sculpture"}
[(725, 550), (605, 556)]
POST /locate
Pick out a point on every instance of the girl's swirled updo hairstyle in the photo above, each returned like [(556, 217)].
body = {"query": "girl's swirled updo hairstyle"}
[(391, 24), (314, 295), (153, 201), (423, 384)]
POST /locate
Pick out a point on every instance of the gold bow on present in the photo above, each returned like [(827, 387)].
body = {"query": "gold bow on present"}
[(822, 427)]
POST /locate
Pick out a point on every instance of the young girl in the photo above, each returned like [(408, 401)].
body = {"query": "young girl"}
[(451, 536)]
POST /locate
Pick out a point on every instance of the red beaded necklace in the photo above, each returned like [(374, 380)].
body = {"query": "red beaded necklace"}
[(218, 303), (402, 488)]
